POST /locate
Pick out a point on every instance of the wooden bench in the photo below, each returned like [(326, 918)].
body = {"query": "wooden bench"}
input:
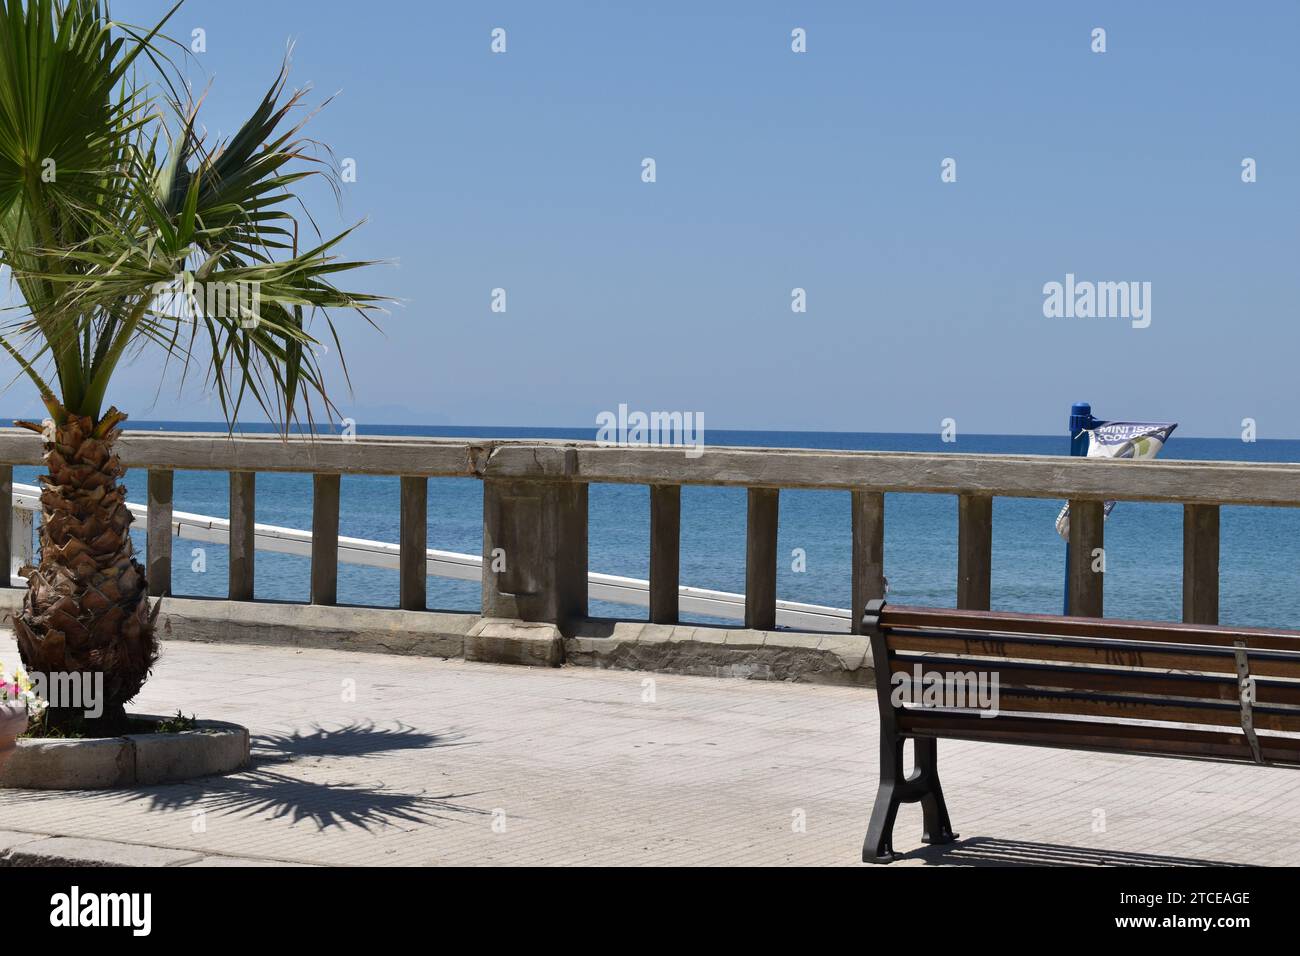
[(1079, 683)]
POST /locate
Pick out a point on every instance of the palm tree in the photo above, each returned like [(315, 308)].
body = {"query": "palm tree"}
[(117, 223)]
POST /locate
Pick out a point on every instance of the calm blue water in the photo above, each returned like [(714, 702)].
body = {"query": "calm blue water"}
[(1260, 564)]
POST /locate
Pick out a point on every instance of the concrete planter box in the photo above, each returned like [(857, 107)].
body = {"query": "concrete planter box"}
[(13, 721), (98, 763)]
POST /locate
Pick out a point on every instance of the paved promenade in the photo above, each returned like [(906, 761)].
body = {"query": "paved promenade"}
[(378, 759)]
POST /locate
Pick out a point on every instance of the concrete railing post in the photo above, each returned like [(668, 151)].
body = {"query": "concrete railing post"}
[(8, 515), (762, 517), (665, 553), (535, 550), (159, 532), (1087, 558), (1201, 564), (413, 566), (974, 551), (24, 552), (243, 534), (868, 561)]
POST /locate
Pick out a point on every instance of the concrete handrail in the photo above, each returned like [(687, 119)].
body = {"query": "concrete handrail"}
[(1023, 476)]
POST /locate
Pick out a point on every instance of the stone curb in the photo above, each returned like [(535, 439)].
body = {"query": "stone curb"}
[(501, 641), (214, 748), (674, 649), (719, 652), (38, 849)]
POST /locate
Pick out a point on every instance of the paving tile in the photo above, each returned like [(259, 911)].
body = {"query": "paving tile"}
[(445, 762)]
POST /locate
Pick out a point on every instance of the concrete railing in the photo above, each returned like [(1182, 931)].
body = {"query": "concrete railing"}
[(534, 565), (616, 589)]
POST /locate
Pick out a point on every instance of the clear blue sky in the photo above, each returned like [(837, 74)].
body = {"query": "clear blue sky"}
[(778, 170)]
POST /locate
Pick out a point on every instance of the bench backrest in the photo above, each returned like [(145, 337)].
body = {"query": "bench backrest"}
[(1088, 683)]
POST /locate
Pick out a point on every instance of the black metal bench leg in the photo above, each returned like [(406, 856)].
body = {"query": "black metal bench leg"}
[(879, 844), (896, 789), (938, 829)]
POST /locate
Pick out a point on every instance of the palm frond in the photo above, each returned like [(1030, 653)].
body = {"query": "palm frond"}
[(139, 206)]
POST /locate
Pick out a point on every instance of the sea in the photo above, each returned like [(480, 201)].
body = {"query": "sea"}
[(1259, 564)]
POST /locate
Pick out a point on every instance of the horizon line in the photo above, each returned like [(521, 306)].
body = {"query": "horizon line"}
[(127, 425)]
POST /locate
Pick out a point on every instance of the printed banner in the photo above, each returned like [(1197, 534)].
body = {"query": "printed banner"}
[(1120, 440)]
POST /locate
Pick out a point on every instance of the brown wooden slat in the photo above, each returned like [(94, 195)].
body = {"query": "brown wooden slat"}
[(1212, 660), (1111, 679), (1219, 714), (1091, 735), (900, 616)]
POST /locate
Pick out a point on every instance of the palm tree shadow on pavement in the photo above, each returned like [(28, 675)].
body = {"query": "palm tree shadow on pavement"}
[(274, 796), (270, 790), (352, 740), (277, 794)]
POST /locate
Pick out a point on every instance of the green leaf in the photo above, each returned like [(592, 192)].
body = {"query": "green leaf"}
[(108, 194)]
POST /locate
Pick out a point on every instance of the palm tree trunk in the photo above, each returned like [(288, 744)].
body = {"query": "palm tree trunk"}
[(86, 609)]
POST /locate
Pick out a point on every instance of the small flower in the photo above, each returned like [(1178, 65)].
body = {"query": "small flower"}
[(17, 688)]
